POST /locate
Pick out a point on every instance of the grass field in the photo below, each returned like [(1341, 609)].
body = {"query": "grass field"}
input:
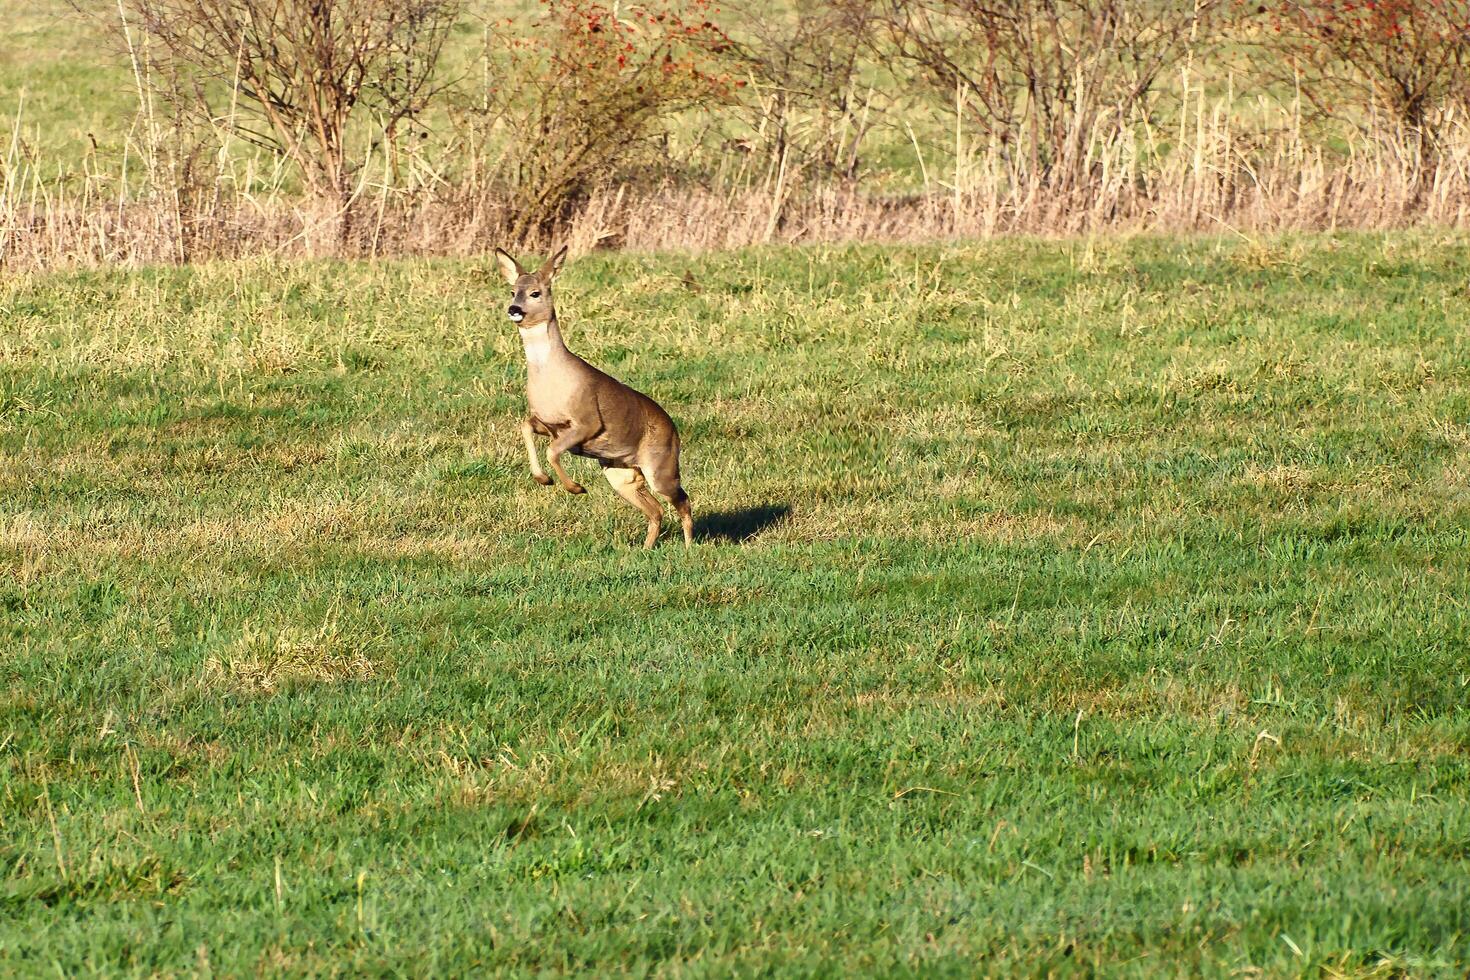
[(1058, 606)]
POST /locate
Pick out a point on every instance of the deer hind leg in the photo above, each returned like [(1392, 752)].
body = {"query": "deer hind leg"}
[(664, 476), (630, 486), (528, 436)]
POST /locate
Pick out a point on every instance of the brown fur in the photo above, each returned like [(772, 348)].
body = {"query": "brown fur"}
[(586, 412)]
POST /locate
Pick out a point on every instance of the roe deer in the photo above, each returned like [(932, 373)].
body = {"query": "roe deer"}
[(588, 413)]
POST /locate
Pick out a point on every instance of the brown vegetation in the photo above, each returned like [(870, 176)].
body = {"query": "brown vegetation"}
[(299, 128)]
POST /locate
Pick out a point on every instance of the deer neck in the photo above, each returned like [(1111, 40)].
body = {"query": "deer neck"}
[(543, 343)]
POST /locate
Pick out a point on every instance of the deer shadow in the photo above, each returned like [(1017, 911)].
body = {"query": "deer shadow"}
[(741, 524)]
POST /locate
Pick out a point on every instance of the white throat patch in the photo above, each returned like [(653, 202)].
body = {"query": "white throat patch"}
[(538, 344)]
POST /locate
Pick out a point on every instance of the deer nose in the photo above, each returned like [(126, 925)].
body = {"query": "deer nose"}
[(515, 310)]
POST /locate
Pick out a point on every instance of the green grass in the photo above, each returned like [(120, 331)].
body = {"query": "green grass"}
[(1101, 605), (68, 86)]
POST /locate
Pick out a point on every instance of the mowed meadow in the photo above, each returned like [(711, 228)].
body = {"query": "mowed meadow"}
[(1055, 607)]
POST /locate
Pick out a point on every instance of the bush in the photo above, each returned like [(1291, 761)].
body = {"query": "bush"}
[(585, 90), (1408, 60)]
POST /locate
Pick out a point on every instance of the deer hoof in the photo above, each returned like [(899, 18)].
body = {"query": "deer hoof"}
[(542, 479), (576, 488)]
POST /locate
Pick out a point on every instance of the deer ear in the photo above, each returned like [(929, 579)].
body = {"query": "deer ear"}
[(553, 265), (509, 267)]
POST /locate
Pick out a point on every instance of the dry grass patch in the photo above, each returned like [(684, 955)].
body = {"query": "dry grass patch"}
[(263, 660)]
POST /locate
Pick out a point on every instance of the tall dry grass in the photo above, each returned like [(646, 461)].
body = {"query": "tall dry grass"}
[(1220, 176)]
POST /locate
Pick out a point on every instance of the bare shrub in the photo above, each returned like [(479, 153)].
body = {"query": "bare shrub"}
[(323, 82), (1405, 63), (812, 108), (1043, 82)]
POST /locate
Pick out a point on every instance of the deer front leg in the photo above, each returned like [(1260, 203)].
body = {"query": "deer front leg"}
[(528, 436), (568, 439)]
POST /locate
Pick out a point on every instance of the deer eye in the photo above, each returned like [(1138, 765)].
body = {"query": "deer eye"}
[(536, 294)]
